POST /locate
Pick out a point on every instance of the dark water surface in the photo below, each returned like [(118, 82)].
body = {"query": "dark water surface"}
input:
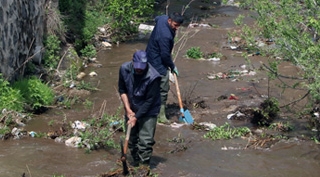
[(297, 158)]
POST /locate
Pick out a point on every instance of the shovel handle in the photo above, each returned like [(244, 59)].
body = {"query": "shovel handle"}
[(178, 92), (127, 139)]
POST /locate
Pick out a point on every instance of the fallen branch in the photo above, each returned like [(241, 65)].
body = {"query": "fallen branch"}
[(297, 100), (62, 59)]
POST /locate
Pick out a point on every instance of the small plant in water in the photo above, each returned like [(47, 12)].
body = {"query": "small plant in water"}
[(88, 104), (194, 52), (227, 132), (51, 122), (281, 126)]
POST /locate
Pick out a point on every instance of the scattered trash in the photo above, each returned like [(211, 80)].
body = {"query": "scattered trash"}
[(19, 122), (72, 85), (59, 98), (233, 97), (145, 28), (32, 134), (15, 131), (92, 60), (93, 74), (260, 44), (214, 59), (73, 141), (176, 125), (101, 29), (81, 75), (236, 114), (243, 66), (79, 125), (193, 25), (219, 75), (106, 44), (231, 74), (236, 39), (114, 123), (208, 125), (225, 148), (233, 47), (243, 89)]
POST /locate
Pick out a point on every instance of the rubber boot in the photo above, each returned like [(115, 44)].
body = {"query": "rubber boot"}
[(162, 115)]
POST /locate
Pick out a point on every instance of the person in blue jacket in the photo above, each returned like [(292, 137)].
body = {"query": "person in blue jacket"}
[(159, 50), (139, 89)]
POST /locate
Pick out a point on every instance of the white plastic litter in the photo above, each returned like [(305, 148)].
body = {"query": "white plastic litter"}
[(176, 125), (209, 125), (237, 114), (79, 125), (106, 44), (73, 141), (214, 59), (233, 47), (93, 74), (144, 27)]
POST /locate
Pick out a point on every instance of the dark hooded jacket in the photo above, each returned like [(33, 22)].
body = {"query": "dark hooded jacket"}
[(143, 91), (160, 45)]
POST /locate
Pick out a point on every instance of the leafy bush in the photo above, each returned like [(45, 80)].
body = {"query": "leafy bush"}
[(35, 93), (194, 52), (83, 18), (293, 27), (51, 56), (126, 14), (89, 51), (10, 99)]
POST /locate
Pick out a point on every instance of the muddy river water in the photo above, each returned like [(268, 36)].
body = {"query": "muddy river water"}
[(38, 157)]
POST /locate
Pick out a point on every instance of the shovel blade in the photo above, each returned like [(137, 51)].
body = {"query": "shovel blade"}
[(186, 118)]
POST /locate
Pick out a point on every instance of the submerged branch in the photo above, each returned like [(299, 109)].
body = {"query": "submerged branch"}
[(297, 100)]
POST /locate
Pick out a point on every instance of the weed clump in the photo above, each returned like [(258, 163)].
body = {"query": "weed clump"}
[(10, 98), (227, 132), (194, 53), (268, 111), (35, 93)]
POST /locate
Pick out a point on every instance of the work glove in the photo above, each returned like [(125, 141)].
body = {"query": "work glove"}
[(175, 71)]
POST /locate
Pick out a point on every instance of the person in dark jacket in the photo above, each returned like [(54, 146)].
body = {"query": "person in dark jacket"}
[(159, 50), (139, 89)]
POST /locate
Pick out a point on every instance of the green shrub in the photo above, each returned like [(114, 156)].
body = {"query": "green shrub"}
[(89, 51), (123, 17), (127, 14), (35, 93), (51, 55), (194, 52), (5, 130), (227, 132), (10, 99)]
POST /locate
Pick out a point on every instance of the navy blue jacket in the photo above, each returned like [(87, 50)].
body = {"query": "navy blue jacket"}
[(160, 45), (143, 91)]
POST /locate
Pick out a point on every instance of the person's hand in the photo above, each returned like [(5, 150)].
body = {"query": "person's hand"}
[(130, 114), (175, 71), (132, 121)]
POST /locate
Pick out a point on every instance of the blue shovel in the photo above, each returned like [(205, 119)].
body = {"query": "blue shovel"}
[(185, 114)]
